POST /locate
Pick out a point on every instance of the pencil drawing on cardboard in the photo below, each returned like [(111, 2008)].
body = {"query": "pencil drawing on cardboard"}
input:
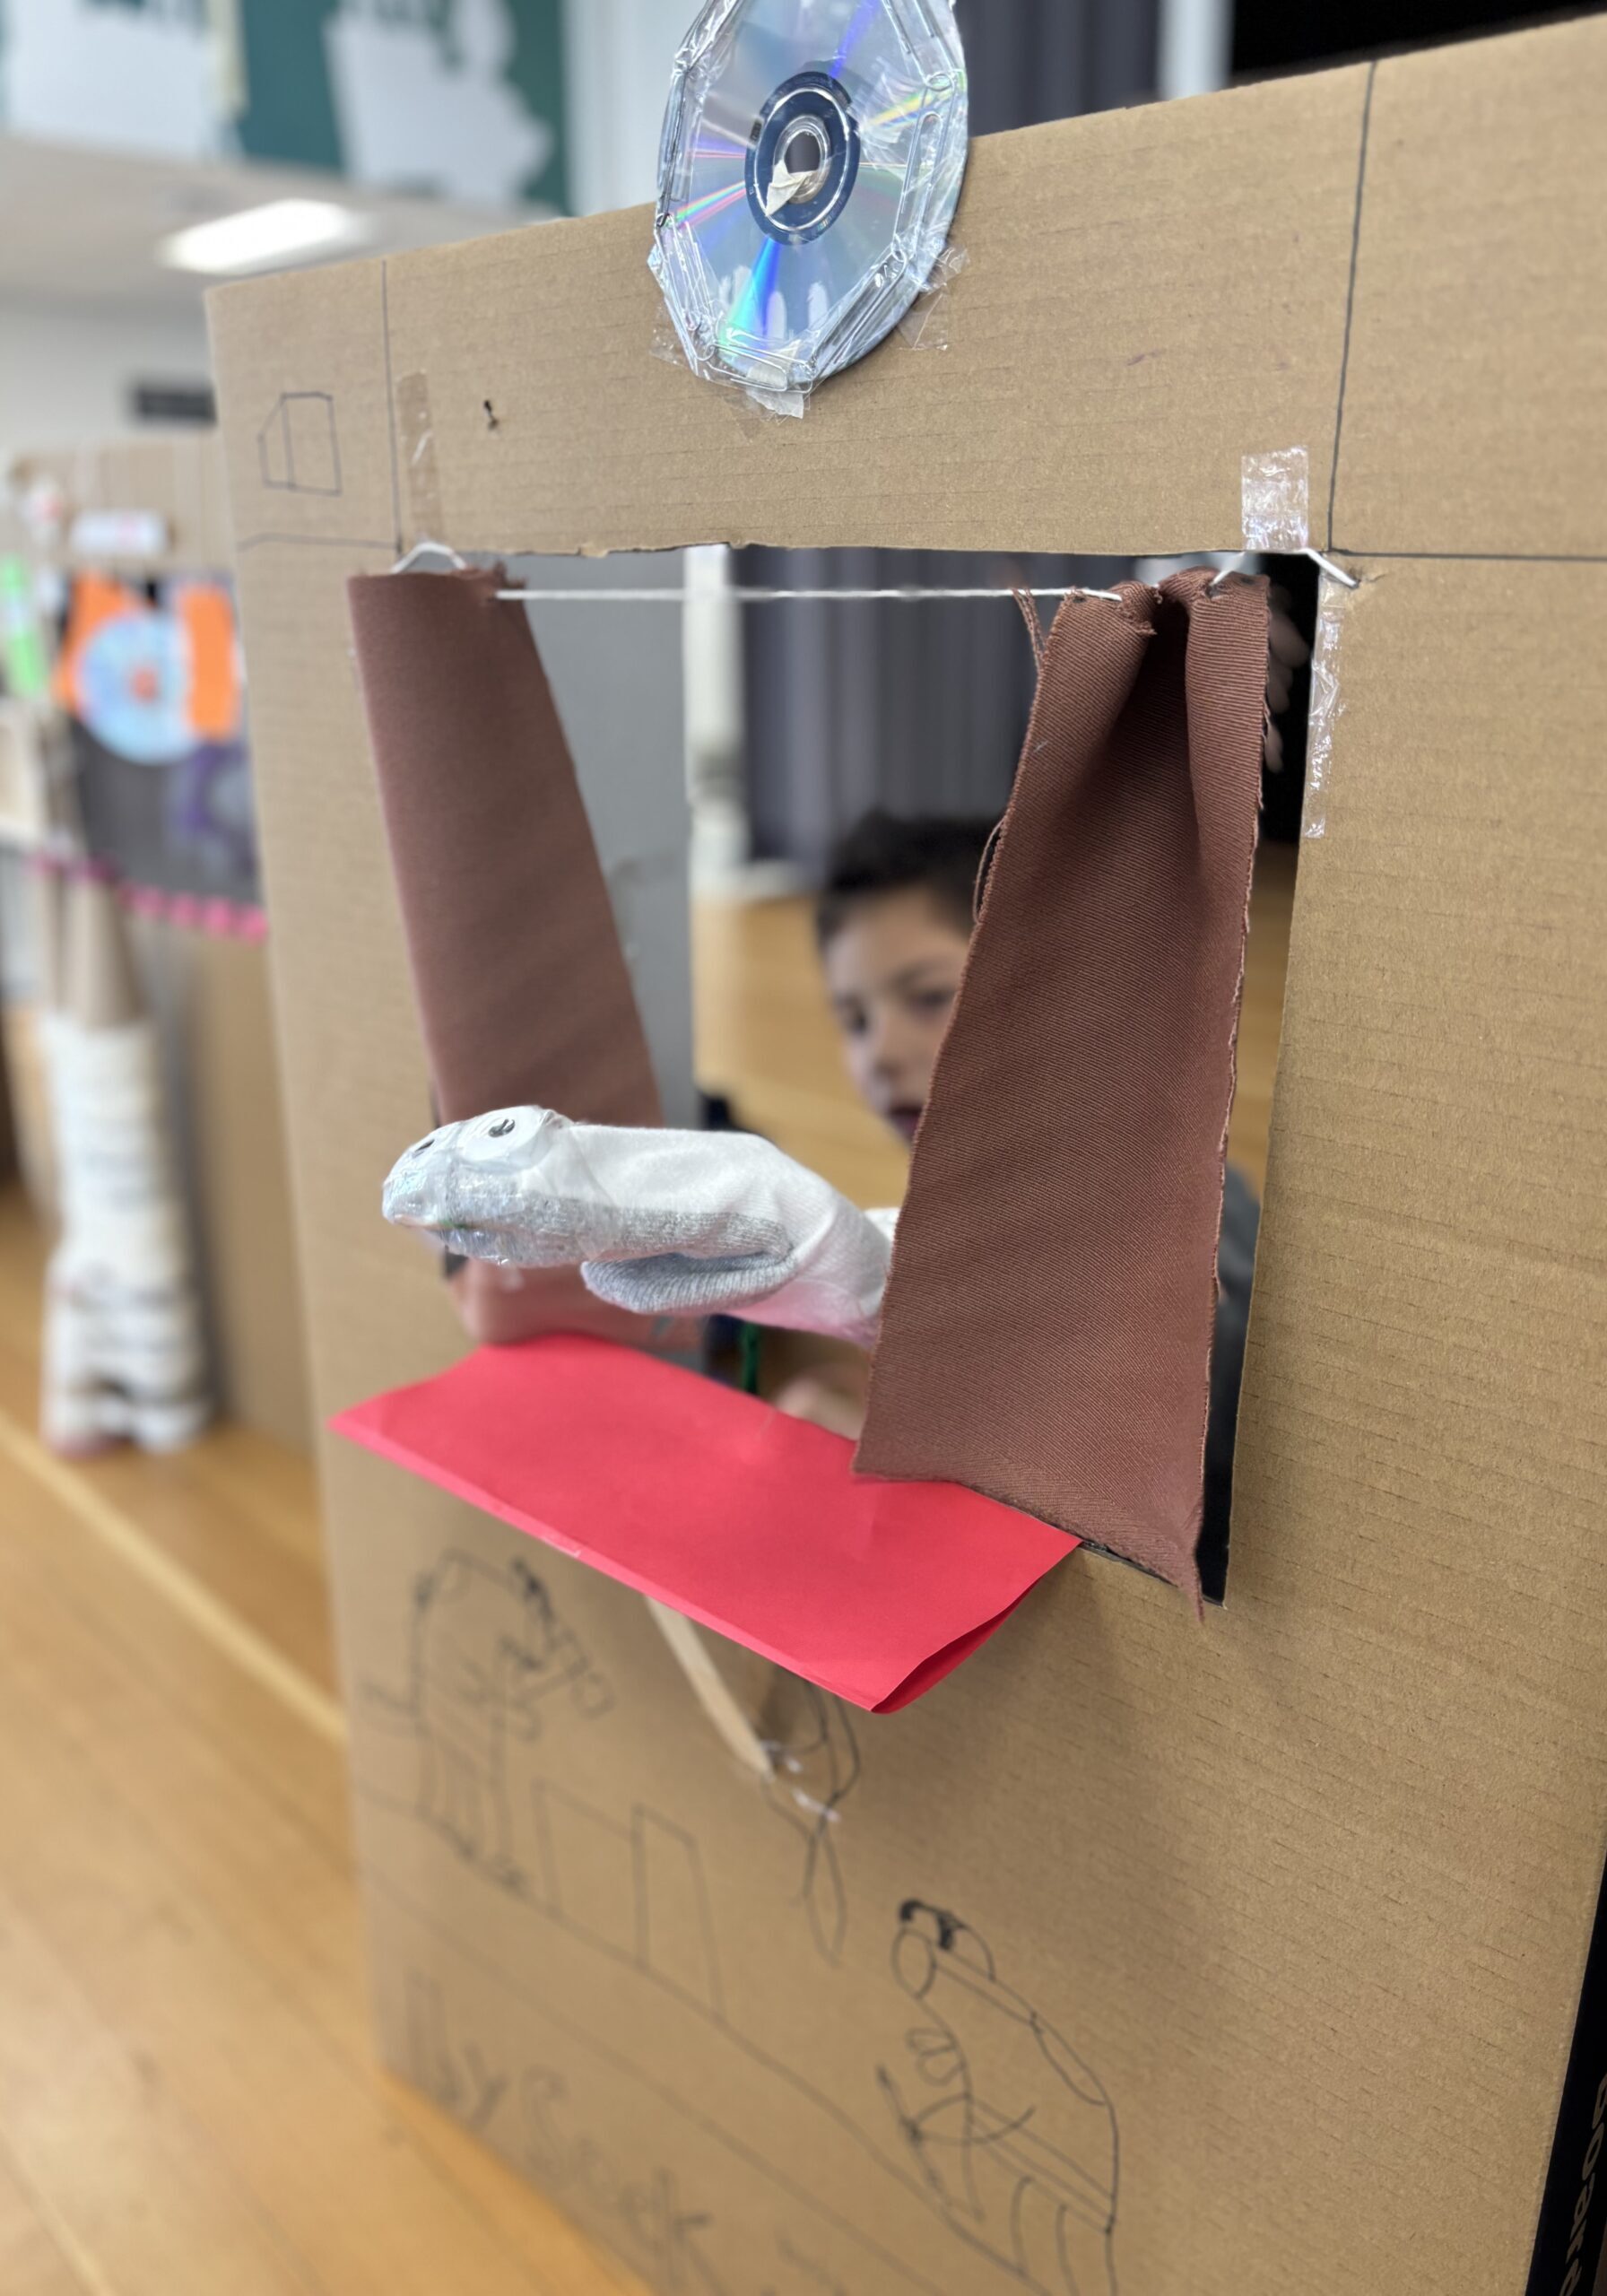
[(1014, 2134), (487, 1653)]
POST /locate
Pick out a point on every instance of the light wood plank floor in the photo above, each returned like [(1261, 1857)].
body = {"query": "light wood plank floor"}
[(188, 2101)]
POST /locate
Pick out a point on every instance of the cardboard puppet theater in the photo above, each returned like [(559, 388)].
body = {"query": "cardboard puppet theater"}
[(1143, 1952), (119, 655)]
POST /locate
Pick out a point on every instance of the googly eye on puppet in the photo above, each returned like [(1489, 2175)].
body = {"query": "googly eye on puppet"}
[(498, 1138)]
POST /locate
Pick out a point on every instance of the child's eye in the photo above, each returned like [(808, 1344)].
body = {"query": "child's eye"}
[(934, 1000)]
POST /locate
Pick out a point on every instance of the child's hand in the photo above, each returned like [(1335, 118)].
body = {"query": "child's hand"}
[(1287, 652), (814, 1397)]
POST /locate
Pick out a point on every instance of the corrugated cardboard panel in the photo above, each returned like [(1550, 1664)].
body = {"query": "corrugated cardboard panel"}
[(1146, 291), (214, 994), (355, 1085), (1306, 1889), (313, 457), (237, 1119), (1294, 1902), (1417, 1562), (1476, 412), (176, 475), (213, 1003)]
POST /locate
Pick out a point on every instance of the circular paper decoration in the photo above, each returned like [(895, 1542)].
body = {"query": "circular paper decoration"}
[(813, 152), (132, 679)]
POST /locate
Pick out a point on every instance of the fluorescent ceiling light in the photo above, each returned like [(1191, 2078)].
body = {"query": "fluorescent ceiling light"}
[(257, 237)]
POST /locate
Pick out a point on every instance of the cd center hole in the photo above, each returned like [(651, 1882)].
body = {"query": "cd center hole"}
[(806, 153)]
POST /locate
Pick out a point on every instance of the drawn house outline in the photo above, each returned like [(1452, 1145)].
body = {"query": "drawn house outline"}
[(636, 1886), (299, 446)]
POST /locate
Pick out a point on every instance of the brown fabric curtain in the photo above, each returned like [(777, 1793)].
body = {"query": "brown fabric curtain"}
[(1048, 1333), (523, 990)]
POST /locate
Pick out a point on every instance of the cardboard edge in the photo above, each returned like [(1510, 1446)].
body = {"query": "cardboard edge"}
[(1571, 2234)]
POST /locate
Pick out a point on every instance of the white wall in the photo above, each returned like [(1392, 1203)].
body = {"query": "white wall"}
[(616, 673), (64, 370), (170, 82), (149, 81), (620, 53)]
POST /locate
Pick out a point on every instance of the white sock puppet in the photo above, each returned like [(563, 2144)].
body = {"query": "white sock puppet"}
[(661, 1222)]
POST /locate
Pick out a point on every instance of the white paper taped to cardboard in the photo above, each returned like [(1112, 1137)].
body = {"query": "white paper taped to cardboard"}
[(1277, 500)]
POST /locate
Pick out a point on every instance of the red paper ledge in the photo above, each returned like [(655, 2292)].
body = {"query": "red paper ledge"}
[(717, 1505)]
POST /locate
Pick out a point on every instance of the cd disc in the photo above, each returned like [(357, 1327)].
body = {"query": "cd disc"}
[(814, 151), (133, 676)]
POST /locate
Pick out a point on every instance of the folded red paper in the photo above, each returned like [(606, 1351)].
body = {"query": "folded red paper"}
[(749, 1523)]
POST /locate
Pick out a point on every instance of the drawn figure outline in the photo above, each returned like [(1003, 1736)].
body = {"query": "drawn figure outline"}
[(1020, 2149), (488, 1651), (818, 1766)]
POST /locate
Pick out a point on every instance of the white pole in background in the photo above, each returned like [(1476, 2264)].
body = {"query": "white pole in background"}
[(1196, 47), (712, 652), (618, 58), (1196, 59)]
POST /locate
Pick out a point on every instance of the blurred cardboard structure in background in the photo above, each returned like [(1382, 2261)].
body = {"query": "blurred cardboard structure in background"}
[(163, 490), (164, 499), (1289, 1913)]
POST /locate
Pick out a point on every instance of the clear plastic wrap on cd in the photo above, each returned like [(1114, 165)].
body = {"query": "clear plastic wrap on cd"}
[(813, 152)]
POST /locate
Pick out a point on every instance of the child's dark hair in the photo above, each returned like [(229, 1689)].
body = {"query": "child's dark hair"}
[(882, 854)]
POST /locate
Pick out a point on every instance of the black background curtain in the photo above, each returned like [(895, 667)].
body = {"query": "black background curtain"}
[(1271, 36), (922, 708)]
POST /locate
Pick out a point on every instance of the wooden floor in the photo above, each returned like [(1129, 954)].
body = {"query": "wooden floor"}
[(188, 2101), (189, 2104)]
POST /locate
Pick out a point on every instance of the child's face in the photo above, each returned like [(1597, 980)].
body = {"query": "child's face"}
[(893, 971)]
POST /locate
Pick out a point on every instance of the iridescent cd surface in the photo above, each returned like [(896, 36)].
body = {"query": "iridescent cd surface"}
[(814, 151)]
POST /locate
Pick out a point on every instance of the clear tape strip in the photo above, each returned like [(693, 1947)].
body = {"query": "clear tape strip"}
[(924, 325), (421, 473), (1276, 493), (1327, 704)]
